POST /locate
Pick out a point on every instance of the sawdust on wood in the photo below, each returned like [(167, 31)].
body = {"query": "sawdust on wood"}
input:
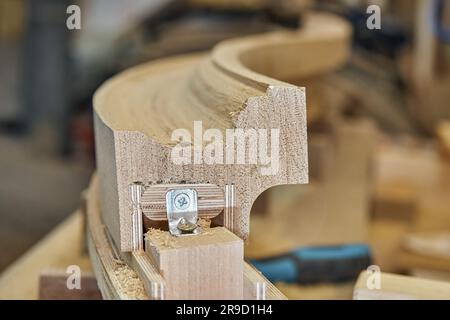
[(204, 223), (160, 238), (164, 239), (130, 283)]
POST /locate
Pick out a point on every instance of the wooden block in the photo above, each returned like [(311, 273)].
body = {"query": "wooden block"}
[(205, 266), (398, 287), (53, 286)]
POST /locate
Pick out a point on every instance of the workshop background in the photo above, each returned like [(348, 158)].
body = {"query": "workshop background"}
[(397, 80)]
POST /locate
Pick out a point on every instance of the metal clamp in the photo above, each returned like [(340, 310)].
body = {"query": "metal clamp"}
[(182, 211)]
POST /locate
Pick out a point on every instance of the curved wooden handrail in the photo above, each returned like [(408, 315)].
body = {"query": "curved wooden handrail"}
[(237, 69), (240, 84)]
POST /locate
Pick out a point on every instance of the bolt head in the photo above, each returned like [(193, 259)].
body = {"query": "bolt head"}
[(182, 201), (186, 226)]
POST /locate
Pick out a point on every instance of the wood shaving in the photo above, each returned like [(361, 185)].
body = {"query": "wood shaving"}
[(130, 283), (204, 223), (160, 238), (164, 239)]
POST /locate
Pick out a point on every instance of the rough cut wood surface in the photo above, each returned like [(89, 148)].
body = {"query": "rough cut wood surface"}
[(233, 87), (205, 266)]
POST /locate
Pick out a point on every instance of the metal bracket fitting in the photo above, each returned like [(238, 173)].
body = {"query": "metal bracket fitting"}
[(182, 211)]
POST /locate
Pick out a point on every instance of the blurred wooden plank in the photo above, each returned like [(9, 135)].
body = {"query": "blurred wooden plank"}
[(60, 248), (53, 286)]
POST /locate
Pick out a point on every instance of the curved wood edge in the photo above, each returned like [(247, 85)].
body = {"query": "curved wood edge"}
[(276, 58), (137, 111), (221, 82)]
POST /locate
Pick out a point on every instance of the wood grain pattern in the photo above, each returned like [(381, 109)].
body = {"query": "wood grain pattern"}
[(204, 266), (233, 87), (211, 200)]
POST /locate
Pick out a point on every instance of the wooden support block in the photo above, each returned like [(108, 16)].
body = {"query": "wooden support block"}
[(53, 286), (205, 266), (398, 287)]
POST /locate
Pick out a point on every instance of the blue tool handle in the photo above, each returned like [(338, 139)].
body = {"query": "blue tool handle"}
[(316, 264)]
